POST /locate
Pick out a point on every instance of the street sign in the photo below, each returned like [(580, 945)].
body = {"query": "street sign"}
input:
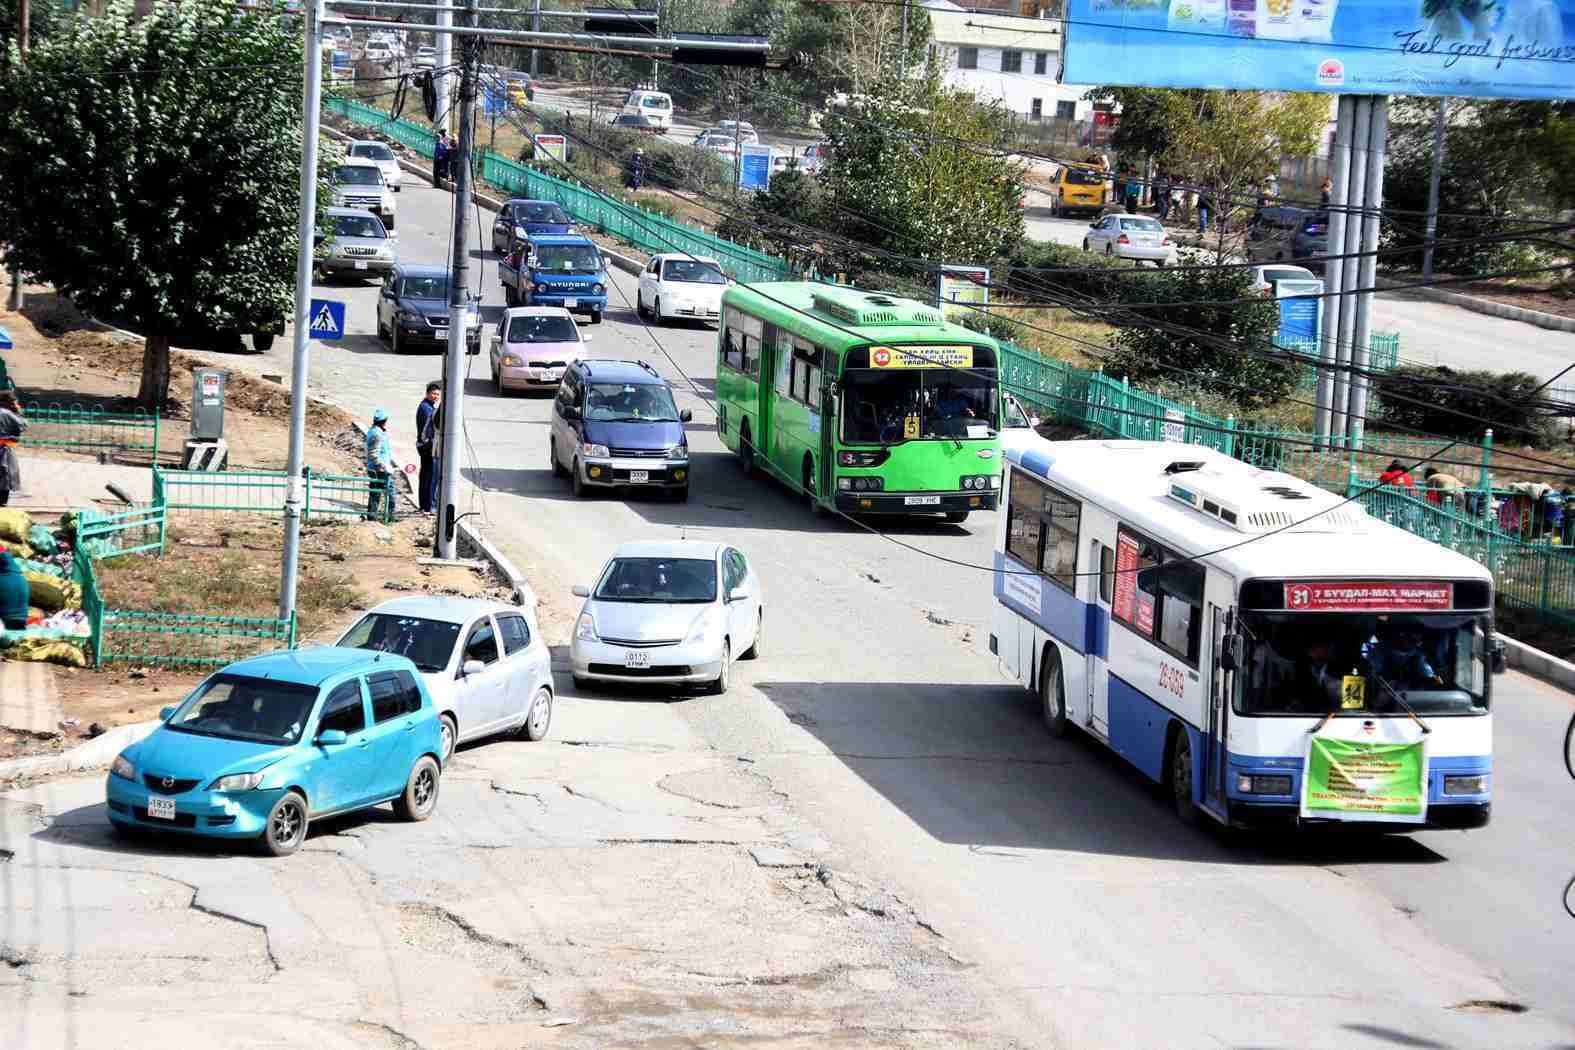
[(1300, 315), (327, 319), (754, 167), (554, 146), (961, 289), (1175, 427)]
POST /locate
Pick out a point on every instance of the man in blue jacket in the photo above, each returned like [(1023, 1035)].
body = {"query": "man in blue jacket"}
[(14, 593), (426, 415)]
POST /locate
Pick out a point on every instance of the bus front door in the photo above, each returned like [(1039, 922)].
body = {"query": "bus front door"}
[(1098, 673), (1214, 770)]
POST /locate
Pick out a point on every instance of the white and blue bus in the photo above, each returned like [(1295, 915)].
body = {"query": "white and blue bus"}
[(1151, 595)]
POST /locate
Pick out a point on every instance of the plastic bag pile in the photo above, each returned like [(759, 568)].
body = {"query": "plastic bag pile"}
[(57, 628)]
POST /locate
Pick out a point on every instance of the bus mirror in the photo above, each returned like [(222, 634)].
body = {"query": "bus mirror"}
[(1498, 660), (1231, 654)]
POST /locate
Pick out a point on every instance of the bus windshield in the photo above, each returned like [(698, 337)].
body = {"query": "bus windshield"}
[(1312, 664), (888, 405)]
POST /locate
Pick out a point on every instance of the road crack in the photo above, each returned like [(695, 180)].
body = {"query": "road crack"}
[(401, 1040)]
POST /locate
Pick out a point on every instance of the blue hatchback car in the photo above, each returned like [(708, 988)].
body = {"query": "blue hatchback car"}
[(269, 744)]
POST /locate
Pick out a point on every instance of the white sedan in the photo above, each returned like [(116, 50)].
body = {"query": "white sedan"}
[(671, 613), (485, 663), (679, 287), (1134, 237), (379, 154)]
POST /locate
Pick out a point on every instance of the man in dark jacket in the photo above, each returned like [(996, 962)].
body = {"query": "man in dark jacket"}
[(14, 593), (426, 414), (440, 155)]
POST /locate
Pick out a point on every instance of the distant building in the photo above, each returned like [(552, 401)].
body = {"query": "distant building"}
[(1008, 50)]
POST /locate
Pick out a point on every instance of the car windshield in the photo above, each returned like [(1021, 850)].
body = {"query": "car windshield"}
[(358, 175), (1311, 664), (1082, 177), (630, 403), (428, 643), (240, 707), (1147, 225), (889, 405), (691, 270), (424, 288), (1287, 275), (358, 226), (568, 258), (543, 213), (539, 328), (658, 580), (372, 151)]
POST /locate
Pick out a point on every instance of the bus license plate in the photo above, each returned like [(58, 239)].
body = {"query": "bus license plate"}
[(569, 304), (921, 501), (636, 658), (639, 477), (161, 808)]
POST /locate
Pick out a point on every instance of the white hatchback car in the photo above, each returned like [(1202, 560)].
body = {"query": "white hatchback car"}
[(671, 613), (1134, 237), (679, 287), (484, 662), (379, 154)]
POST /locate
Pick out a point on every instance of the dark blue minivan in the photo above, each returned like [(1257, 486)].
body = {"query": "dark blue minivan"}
[(614, 425), (522, 219)]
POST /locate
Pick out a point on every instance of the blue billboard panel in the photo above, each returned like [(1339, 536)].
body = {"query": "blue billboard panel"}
[(754, 167), (1483, 48)]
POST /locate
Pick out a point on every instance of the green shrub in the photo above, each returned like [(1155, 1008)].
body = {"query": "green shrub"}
[(1441, 400)]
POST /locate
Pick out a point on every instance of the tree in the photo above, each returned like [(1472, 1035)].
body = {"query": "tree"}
[(923, 170), (45, 18), (149, 169)]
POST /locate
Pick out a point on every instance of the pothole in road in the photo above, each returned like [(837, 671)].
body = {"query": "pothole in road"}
[(719, 786), (1491, 1006)]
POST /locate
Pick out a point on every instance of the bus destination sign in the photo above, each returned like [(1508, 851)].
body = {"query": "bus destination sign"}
[(922, 357), (1369, 595)]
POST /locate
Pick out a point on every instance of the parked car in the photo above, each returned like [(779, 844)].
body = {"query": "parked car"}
[(614, 423), (1078, 188), (1134, 237), (1266, 279), (717, 141), (532, 347), (359, 184), (1282, 234), (565, 270), (378, 53), (425, 57), (355, 243), (741, 130), (379, 154), (413, 310), (267, 745), (484, 663), (669, 612), (678, 286), (522, 219), (638, 122)]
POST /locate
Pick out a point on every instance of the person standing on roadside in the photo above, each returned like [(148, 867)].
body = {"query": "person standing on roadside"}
[(440, 154), (11, 426), (426, 413), (379, 465), (1326, 191), (1205, 210)]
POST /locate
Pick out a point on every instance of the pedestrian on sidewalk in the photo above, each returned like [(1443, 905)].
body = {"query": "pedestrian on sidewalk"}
[(426, 412), (14, 593), (1205, 211), (11, 426), (440, 155), (1326, 191), (1162, 194), (379, 466)]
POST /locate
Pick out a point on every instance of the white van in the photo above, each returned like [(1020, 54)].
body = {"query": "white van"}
[(657, 105)]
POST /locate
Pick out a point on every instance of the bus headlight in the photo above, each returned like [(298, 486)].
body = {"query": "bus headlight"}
[(979, 482), (1259, 784), (861, 484), (1472, 785)]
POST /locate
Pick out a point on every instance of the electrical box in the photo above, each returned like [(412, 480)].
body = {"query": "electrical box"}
[(207, 404)]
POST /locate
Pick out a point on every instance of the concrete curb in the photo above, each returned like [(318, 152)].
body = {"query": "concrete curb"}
[(1539, 664), (524, 594), (1552, 322), (94, 754)]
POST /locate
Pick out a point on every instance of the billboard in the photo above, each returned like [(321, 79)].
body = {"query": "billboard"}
[(1300, 315), (962, 289), (554, 146), (1502, 49), (754, 167)]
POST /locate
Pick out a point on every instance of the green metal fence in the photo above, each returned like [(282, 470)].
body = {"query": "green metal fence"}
[(264, 492), (135, 531), (87, 427)]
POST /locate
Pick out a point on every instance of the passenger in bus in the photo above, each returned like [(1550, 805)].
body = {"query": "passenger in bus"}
[(1315, 683), (1400, 661)]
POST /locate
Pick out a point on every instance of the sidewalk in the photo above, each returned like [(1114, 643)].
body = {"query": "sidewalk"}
[(52, 482), (29, 700)]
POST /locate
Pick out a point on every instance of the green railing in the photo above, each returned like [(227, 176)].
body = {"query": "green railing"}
[(87, 427), (264, 492), (133, 531)]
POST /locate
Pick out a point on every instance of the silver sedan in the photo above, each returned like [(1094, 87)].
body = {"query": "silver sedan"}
[(1134, 237)]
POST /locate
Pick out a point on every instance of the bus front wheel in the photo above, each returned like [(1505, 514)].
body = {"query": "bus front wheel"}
[(809, 488), (1181, 776), (1052, 694), (956, 517), (746, 451)]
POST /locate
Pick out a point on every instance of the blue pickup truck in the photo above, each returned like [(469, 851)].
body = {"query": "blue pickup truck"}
[(565, 270)]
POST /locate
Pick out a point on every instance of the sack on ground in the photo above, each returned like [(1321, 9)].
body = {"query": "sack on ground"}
[(45, 650), (47, 568), (14, 525), (52, 593), (42, 540)]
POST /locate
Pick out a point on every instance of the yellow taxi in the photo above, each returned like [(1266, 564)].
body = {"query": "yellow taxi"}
[(519, 94), (1079, 187)]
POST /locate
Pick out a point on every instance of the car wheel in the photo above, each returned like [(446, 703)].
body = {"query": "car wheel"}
[(1181, 777), (746, 452), (1085, 244), (1052, 695), (639, 304), (397, 342), (956, 517), (1110, 250), (552, 454), (719, 686), (448, 733), (753, 652), (539, 718), (497, 381), (388, 223), (262, 342), (681, 495), (286, 827), (596, 317), (382, 333), (578, 480), (656, 311), (421, 790)]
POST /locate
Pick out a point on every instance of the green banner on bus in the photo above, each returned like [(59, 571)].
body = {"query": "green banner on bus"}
[(1365, 780)]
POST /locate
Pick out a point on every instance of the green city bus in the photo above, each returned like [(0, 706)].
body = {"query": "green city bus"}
[(867, 402)]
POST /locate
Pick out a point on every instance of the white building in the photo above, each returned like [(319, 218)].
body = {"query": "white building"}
[(1008, 57)]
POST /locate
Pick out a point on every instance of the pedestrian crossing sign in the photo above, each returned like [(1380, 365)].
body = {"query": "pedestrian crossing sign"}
[(327, 319)]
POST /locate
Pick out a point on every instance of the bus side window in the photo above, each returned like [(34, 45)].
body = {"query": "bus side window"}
[(1107, 573), (1181, 607)]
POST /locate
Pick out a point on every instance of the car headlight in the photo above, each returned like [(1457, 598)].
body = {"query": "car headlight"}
[(123, 768), (678, 452), (598, 289), (702, 626), (585, 630), (520, 231), (595, 451), (510, 361), (237, 782)]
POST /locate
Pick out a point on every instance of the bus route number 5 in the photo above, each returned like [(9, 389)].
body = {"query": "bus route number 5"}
[(1171, 678)]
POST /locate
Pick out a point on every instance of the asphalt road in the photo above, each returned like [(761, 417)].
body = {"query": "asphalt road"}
[(1097, 918)]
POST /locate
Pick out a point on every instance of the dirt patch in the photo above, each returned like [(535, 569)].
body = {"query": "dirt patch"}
[(1549, 297)]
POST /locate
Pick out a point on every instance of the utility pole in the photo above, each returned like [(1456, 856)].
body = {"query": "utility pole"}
[(295, 494), (24, 20), (1432, 186), (903, 56), (445, 46), (535, 27), (458, 299)]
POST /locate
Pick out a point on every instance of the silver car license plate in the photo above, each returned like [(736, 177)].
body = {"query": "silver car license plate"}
[(636, 658), (921, 501), (161, 808), (639, 477)]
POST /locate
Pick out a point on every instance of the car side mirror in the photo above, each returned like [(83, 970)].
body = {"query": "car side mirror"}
[(580, 591), (737, 594), (470, 667), (331, 738), (165, 713), (685, 416), (570, 412)]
